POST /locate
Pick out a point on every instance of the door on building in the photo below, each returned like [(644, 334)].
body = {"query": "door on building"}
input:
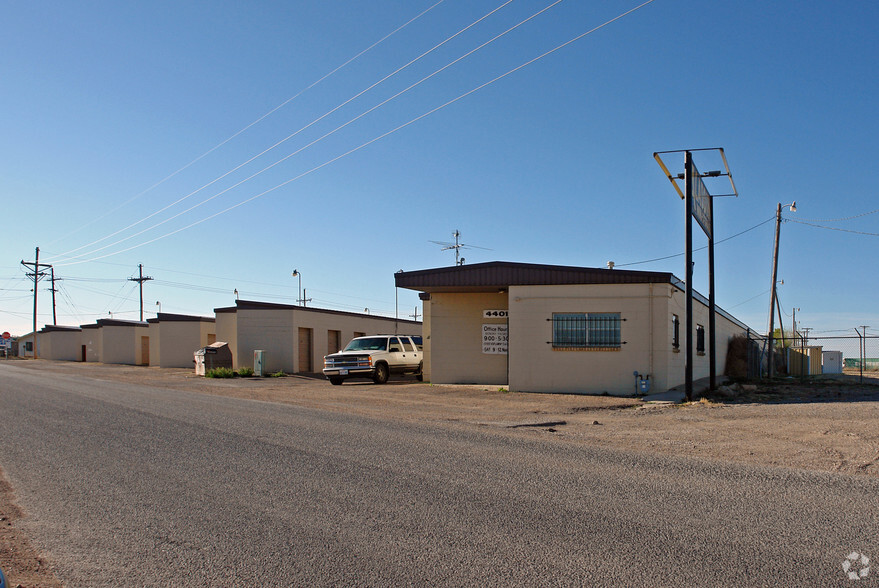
[(305, 339), (144, 351), (84, 352), (334, 341)]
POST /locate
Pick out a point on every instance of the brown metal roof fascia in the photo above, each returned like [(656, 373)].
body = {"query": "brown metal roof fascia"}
[(485, 277), (59, 329), (252, 305), (172, 318), (120, 323), (92, 326), (225, 309)]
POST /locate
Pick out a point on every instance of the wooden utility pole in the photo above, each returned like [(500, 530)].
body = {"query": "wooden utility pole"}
[(53, 290), (37, 274), (140, 280)]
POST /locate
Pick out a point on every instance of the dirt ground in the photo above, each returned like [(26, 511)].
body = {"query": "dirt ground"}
[(827, 425)]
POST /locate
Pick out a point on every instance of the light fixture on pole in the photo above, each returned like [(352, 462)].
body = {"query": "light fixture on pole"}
[(772, 297), (236, 293), (159, 304), (296, 273)]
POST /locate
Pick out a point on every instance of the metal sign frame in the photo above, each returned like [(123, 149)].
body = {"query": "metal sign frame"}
[(699, 205)]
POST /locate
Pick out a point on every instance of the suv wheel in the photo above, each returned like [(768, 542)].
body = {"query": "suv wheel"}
[(336, 381), (381, 373), (419, 375)]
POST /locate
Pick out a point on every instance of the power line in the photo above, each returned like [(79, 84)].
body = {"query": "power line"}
[(832, 228), (363, 145), (236, 134), (739, 234), (835, 220), (313, 122)]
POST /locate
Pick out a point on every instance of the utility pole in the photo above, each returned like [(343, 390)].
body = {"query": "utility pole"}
[(140, 280), (772, 297), (415, 316), (37, 274), (53, 290)]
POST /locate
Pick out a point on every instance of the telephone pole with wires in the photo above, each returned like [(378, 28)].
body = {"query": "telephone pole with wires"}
[(140, 280), (53, 289), (36, 275)]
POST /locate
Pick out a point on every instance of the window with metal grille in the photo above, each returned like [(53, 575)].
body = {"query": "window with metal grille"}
[(594, 330), (700, 339), (676, 332)]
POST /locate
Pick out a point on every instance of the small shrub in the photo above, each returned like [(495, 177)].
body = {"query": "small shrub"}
[(245, 372), (278, 374), (220, 372)]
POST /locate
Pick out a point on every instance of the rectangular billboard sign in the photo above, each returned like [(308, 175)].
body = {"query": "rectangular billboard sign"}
[(702, 208)]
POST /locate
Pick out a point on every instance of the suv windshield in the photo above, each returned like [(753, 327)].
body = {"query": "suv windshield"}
[(368, 344)]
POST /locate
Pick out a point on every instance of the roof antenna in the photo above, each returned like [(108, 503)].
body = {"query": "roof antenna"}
[(457, 246)]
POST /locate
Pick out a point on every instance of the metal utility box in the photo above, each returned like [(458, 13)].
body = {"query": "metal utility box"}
[(215, 355), (259, 362), (832, 362)]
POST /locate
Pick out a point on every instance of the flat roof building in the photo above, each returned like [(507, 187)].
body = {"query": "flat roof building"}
[(547, 328)]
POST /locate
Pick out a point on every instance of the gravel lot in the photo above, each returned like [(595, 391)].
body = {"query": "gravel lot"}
[(823, 425)]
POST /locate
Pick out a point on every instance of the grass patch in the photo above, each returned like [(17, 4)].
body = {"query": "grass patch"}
[(278, 374), (220, 372), (245, 372)]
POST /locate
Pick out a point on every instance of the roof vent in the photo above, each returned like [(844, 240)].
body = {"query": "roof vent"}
[(610, 265)]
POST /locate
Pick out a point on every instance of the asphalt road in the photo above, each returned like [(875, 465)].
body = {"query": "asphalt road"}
[(131, 485)]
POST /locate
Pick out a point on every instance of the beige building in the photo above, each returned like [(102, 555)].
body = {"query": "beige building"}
[(540, 328), (119, 341), (296, 338), (172, 339)]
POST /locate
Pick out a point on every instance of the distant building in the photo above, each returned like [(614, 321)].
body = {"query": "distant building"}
[(296, 338)]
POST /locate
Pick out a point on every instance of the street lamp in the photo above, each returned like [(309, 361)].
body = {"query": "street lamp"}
[(236, 293), (296, 273), (159, 304), (771, 362)]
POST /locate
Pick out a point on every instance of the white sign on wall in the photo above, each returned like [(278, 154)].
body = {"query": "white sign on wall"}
[(494, 338)]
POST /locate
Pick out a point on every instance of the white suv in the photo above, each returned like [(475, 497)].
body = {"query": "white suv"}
[(375, 357)]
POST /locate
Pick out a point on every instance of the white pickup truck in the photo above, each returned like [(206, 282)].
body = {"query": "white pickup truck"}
[(375, 357)]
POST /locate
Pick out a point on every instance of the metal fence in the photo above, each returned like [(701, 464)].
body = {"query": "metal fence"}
[(806, 356)]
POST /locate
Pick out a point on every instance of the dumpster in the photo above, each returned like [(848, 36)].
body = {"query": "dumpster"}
[(215, 355)]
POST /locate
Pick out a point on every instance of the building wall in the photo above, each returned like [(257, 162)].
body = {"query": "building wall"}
[(455, 354), (276, 331), (154, 334), (227, 331), (117, 344), (63, 345), (91, 338), (535, 366), (270, 330), (321, 323), (179, 340), (22, 345), (726, 329), (141, 331)]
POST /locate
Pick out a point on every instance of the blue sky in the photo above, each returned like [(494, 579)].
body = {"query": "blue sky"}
[(112, 112)]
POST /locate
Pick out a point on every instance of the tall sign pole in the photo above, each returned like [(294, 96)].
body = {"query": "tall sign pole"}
[(688, 183), (699, 204)]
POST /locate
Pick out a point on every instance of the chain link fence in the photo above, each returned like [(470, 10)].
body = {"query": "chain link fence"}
[(856, 355)]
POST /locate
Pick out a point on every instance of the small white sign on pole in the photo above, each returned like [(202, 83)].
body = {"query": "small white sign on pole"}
[(494, 338)]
